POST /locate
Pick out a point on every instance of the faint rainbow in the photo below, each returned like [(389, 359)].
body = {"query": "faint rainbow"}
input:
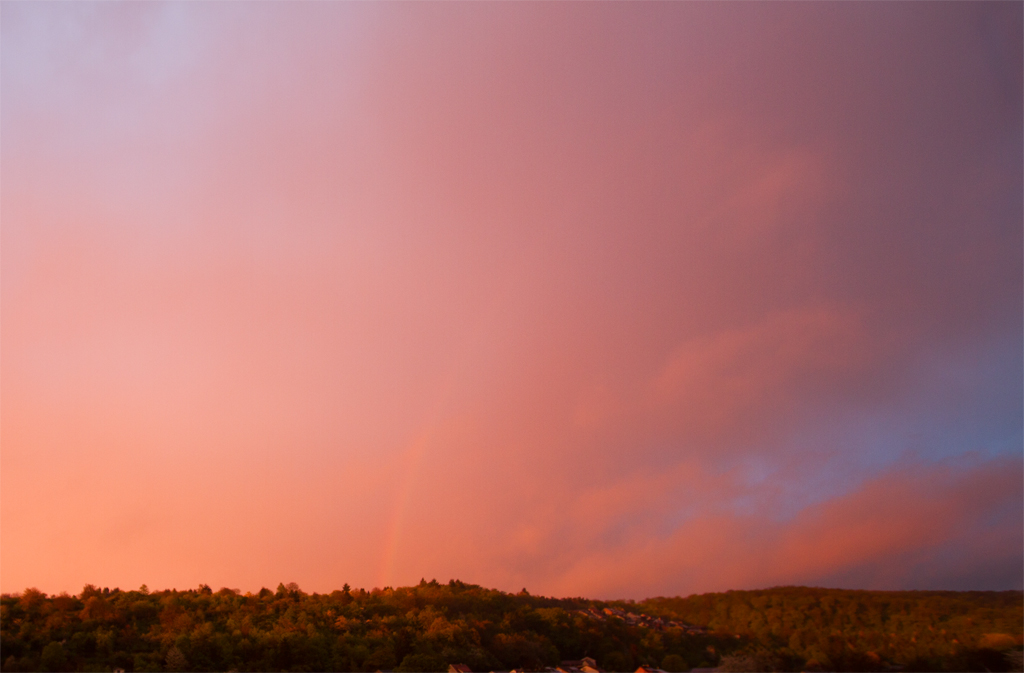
[(413, 457)]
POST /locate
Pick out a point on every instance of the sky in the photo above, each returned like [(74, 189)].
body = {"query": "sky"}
[(613, 300)]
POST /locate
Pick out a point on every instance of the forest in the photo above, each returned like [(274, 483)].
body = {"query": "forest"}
[(432, 625)]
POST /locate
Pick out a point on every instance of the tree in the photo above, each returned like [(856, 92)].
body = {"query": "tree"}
[(53, 657), (617, 661), (176, 660)]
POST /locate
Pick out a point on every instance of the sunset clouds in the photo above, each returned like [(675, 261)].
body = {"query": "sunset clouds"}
[(600, 299)]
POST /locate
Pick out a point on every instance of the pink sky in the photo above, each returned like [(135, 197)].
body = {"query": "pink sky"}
[(602, 299)]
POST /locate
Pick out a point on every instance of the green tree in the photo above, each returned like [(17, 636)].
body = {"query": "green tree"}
[(618, 662), (423, 663), (53, 658)]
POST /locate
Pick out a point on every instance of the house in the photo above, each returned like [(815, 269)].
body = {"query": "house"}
[(458, 668), (584, 665)]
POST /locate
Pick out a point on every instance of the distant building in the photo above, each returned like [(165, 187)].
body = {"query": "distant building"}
[(584, 665)]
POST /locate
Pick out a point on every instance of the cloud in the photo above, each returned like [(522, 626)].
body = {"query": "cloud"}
[(606, 298), (955, 521), (715, 389)]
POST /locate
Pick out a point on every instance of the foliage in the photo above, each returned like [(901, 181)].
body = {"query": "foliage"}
[(431, 625), (833, 629)]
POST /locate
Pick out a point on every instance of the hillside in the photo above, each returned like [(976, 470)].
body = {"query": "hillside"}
[(431, 625)]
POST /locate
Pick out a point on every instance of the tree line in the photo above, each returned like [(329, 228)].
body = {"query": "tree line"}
[(431, 625), (834, 629)]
